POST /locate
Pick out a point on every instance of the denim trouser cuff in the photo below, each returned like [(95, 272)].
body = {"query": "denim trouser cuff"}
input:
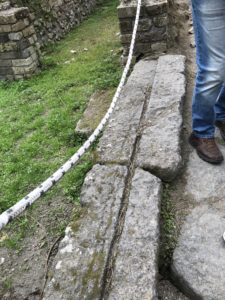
[(203, 136)]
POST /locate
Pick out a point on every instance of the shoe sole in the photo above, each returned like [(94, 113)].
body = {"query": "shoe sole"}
[(205, 158)]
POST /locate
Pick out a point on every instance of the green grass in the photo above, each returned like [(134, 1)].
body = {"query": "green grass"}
[(38, 116)]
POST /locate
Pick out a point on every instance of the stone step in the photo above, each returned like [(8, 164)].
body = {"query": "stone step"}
[(117, 142), (198, 261), (136, 269), (82, 257), (79, 264), (159, 150)]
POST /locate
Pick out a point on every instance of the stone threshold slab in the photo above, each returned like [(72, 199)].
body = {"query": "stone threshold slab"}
[(78, 269), (136, 269), (117, 142), (79, 264), (159, 150)]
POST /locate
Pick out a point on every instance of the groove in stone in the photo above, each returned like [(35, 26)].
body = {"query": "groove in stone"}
[(110, 265)]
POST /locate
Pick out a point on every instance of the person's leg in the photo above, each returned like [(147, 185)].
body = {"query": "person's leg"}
[(209, 25), (220, 105)]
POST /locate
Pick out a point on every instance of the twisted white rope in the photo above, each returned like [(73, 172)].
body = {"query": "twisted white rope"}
[(20, 206)]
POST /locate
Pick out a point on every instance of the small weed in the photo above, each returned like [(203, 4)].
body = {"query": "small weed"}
[(48, 63), (168, 229), (19, 228), (6, 285), (76, 139)]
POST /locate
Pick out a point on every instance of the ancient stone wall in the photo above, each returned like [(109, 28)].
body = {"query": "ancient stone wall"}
[(55, 18), (152, 33), (26, 25), (19, 49)]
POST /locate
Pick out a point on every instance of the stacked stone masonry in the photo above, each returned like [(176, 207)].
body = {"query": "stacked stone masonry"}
[(152, 32), (55, 18), (19, 48), (111, 251)]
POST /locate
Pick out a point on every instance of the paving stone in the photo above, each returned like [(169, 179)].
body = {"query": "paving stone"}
[(204, 181), (116, 144), (82, 254), (198, 261), (135, 274), (95, 111), (159, 150), (167, 291)]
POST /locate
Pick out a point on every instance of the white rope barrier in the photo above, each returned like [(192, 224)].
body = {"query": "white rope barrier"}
[(20, 206)]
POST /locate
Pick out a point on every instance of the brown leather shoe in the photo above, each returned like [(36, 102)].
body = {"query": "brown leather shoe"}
[(221, 126), (207, 149)]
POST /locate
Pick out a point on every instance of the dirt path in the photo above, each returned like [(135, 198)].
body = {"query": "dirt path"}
[(24, 268)]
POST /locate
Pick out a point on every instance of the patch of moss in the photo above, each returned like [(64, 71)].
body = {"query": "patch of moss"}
[(168, 230), (93, 275), (78, 214)]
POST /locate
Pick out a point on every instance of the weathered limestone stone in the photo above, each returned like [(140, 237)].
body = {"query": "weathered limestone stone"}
[(55, 18), (135, 274), (153, 24), (4, 5), (167, 291), (205, 182), (119, 137), (159, 150), (17, 37), (159, 47), (95, 111), (81, 259), (198, 261)]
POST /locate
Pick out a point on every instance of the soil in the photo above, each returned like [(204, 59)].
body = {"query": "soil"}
[(23, 271)]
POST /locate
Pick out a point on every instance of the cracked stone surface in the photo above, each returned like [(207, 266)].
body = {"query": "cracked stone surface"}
[(159, 150), (198, 261), (80, 261), (116, 144), (204, 181), (136, 270), (79, 266)]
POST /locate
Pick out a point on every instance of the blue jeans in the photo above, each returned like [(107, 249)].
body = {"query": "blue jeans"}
[(209, 94)]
